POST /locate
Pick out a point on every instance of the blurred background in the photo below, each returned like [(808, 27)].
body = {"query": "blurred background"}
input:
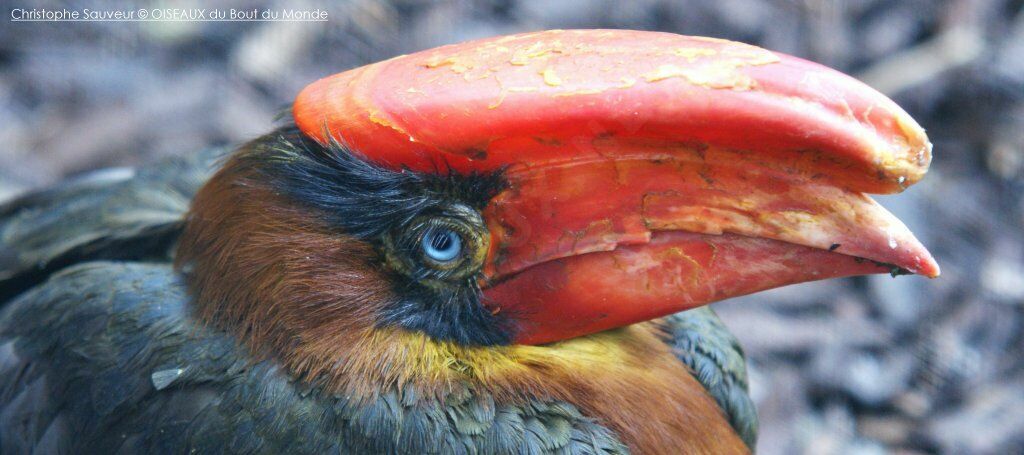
[(866, 365)]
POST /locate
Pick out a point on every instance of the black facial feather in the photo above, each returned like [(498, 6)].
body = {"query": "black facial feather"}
[(383, 206), (363, 198)]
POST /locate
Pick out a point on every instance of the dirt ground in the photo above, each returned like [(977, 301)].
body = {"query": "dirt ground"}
[(866, 365)]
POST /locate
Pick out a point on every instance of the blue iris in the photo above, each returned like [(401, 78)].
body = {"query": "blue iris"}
[(442, 245)]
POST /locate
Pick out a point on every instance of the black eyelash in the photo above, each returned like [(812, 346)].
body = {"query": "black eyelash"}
[(362, 198)]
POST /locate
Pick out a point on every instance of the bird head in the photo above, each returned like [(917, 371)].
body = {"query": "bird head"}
[(537, 188)]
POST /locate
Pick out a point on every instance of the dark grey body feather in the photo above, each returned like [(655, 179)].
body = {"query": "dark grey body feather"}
[(714, 355), (105, 215), (98, 353)]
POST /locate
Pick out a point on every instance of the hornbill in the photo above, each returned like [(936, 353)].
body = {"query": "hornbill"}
[(499, 246)]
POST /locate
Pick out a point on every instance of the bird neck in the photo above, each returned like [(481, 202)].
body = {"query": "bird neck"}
[(626, 379)]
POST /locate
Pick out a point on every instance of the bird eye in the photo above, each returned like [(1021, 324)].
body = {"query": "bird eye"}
[(441, 244), (446, 246)]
